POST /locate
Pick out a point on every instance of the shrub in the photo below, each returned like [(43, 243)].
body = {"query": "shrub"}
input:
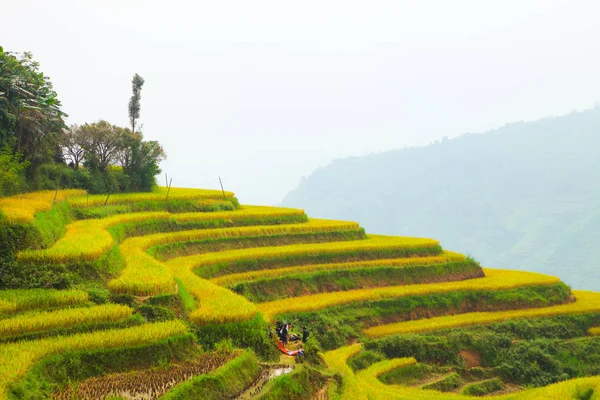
[(364, 359), (246, 334), (482, 388), (445, 384)]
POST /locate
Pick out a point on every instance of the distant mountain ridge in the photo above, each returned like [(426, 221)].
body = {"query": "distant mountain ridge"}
[(525, 196)]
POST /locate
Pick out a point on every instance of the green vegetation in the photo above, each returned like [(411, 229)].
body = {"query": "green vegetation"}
[(447, 383), (483, 388), (38, 151), (531, 353), (336, 325)]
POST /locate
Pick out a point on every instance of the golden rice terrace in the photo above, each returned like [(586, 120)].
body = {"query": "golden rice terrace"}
[(178, 295)]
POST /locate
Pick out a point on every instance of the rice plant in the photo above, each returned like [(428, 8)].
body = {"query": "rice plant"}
[(494, 280), (13, 301), (46, 320), (160, 194), (232, 279), (376, 246), (85, 240), (22, 208)]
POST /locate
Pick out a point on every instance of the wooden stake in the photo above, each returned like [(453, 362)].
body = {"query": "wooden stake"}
[(222, 190), (169, 189)]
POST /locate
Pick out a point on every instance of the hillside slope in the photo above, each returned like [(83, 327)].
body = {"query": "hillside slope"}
[(173, 295), (524, 196)]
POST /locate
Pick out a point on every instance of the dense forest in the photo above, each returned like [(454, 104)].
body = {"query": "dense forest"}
[(524, 196), (39, 151)]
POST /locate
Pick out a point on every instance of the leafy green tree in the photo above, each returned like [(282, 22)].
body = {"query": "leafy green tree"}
[(31, 119), (140, 160), (134, 102), (11, 168), (102, 143)]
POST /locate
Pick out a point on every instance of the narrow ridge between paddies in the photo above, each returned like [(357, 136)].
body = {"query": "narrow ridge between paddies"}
[(312, 226), (494, 280), (144, 275), (17, 358), (160, 194), (38, 321), (232, 279), (586, 302), (374, 247), (86, 240), (299, 283), (18, 300)]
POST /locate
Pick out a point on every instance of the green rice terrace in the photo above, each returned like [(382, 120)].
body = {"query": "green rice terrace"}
[(186, 294)]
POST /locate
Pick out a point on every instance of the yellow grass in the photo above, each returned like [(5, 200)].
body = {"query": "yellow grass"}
[(161, 194), (12, 301), (595, 331), (232, 279), (84, 240), (17, 358), (22, 208), (374, 242), (46, 320), (494, 280), (364, 385), (586, 302)]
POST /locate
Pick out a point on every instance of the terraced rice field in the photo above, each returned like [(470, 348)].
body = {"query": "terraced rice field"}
[(212, 269), (587, 302), (17, 358), (494, 280), (366, 385), (22, 208)]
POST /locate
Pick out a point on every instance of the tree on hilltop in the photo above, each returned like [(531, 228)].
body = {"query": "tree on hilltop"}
[(72, 142), (134, 102)]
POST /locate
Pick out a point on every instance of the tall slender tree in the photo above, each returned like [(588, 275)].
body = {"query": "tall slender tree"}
[(134, 102)]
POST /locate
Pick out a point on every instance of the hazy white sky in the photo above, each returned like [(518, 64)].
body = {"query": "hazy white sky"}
[(264, 92)]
